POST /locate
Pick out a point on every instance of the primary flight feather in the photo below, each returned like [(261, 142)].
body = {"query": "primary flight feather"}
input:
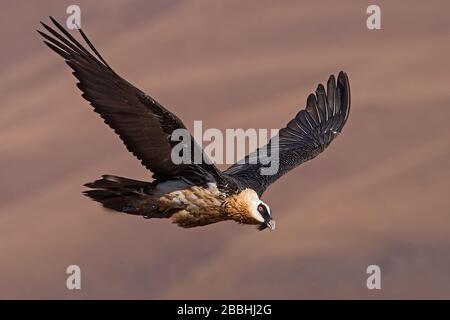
[(195, 193)]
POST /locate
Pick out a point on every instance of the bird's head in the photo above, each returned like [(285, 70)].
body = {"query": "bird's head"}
[(246, 207), (264, 211)]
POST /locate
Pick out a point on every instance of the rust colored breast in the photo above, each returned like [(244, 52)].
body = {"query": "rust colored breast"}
[(194, 206)]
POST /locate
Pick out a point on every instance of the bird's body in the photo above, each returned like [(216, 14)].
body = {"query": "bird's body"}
[(194, 193), (185, 204)]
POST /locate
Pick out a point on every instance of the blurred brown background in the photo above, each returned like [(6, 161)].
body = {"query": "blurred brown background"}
[(378, 195)]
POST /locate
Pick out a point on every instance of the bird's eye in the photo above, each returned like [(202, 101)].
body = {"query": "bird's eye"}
[(261, 208)]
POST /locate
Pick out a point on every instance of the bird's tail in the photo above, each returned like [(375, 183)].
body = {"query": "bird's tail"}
[(124, 195)]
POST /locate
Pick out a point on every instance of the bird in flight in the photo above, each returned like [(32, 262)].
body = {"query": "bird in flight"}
[(191, 194)]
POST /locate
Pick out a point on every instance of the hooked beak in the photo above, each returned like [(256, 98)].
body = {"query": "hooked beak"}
[(268, 224)]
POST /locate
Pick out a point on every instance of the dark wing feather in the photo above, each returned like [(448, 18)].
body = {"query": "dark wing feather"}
[(304, 137), (142, 123)]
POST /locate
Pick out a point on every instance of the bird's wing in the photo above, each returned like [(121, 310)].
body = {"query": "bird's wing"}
[(144, 125), (304, 137)]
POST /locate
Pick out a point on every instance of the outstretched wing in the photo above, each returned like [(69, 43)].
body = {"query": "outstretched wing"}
[(142, 123), (304, 137)]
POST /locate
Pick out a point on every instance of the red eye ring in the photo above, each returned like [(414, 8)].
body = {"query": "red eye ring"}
[(260, 208)]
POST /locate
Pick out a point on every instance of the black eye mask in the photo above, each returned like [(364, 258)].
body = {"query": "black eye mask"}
[(262, 209)]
